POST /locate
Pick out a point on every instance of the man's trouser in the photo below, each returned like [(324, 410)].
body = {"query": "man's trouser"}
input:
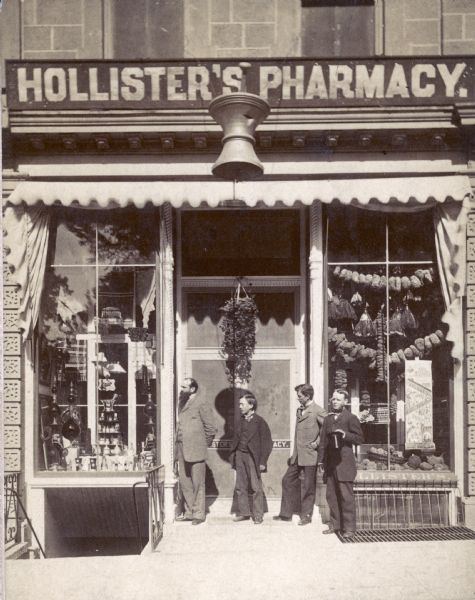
[(341, 501), (298, 491), (192, 483), (248, 483)]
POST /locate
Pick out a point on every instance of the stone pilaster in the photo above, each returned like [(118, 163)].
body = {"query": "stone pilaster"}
[(317, 306), (167, 341)]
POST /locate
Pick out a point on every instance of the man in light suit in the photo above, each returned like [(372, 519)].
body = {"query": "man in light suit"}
[(299, 482), (341, 430), (195, 431)]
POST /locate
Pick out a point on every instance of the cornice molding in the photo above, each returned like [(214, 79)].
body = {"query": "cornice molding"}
[(196, 121)]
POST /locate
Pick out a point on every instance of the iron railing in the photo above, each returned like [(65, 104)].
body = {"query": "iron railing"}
[(403, 506), (12, 521), (155, 482), (11, 514)]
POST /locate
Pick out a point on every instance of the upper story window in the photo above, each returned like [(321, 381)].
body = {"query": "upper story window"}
[(333, 28)]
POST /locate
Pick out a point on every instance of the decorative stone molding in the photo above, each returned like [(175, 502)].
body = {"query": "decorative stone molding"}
[(11, 344), (12, 436), (12, 391), (10, 320), (10, 297), (11, 367), (11, 460), (11, 414)]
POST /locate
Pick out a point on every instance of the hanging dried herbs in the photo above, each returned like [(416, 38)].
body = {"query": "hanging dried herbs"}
[(239, 327)]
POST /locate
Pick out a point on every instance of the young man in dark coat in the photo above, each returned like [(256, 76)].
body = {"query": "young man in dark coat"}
[(341, 430), (300, 481), (251, 448)]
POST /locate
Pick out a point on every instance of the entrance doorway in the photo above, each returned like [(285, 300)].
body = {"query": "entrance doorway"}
[(278, 286)]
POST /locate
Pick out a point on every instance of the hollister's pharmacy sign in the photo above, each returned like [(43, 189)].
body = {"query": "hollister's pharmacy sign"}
[(284, 83)]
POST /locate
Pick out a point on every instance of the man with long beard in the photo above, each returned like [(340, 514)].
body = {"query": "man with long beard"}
[(195, 431)]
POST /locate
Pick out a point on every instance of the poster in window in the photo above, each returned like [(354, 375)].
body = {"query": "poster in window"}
[(418, 409)]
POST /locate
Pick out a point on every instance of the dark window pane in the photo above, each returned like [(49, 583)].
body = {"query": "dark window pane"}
[(328, 28), (127, 237), (75, 239), (68, 302), (411, 236), (356, 235), (237, 243), (126, 299)]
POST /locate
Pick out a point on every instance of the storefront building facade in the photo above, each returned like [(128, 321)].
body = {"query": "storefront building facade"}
[(122, 247)]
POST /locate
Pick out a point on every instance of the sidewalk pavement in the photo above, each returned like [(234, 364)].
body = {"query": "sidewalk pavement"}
[(239, 561)]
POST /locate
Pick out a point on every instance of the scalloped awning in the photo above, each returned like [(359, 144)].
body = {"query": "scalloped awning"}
[(402, 191)]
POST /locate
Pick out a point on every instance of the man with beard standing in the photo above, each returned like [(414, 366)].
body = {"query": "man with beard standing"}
[(195, 431)]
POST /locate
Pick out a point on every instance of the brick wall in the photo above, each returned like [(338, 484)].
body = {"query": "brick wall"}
[(458, 27), (242, 28), (470, 349), (61, 29), (415, 27)]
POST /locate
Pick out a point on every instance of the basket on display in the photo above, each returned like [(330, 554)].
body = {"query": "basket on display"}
[(381, 455)]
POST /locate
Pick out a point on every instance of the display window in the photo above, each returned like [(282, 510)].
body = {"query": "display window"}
[(97, 381), (386, 341)]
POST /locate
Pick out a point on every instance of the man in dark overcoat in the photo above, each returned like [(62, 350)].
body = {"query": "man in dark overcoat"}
[(299, 482), (252, 445), (195, 432), (341, 430)]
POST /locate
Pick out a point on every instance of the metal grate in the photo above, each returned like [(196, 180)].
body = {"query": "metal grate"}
[(394, 508), (418, 534)]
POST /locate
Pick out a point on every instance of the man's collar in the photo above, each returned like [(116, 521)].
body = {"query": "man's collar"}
[(249, 416)]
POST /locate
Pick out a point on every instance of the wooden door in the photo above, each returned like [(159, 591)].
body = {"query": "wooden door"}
[(275, 372)]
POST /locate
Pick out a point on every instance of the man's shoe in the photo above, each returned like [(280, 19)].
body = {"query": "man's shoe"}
[(329, 530), (239, 518), (258, 521), (348, 535), (281, 518), (183, 518), (305, 521), (197, 521)]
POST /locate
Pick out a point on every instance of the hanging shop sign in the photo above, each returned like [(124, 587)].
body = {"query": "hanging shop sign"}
[(57, 85), (418, 409)]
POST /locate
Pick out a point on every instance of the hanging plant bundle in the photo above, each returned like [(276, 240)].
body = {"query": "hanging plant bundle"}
[(239, 341)]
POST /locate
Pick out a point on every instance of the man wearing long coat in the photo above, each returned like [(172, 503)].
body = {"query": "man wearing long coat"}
[(250, 452), (340, 432), (195, 432)]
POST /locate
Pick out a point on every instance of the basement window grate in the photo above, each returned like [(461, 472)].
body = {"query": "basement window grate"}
[(418, 534)]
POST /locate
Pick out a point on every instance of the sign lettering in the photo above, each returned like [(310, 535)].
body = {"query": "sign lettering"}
[(290, 83)]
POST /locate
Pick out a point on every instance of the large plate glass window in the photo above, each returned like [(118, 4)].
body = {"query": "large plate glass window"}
[(386, 341), (97, 342)]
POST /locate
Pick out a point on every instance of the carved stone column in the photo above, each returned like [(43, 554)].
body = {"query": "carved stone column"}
[(167, 354), (317, 303)]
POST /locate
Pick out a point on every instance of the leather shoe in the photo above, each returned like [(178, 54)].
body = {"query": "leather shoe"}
[(348, 535), (258, 521), (183, 518), (329, 530), (305, 521), (239, 518), (281, 518), (197, 521)]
